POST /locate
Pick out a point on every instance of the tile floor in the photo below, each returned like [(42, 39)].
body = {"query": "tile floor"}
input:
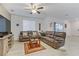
[(71, 48)]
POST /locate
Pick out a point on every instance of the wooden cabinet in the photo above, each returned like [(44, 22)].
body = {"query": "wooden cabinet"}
[(5, 44), (1, 47)]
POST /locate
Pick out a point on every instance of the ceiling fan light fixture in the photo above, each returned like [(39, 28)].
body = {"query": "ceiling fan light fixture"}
[(34, 11)]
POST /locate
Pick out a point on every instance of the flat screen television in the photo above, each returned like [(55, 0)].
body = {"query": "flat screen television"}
[(5, 24)]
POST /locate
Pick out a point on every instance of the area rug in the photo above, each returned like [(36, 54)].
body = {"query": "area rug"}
[(28, 51)]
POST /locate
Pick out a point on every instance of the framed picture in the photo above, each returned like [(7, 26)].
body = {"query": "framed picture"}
[(39, 26), (65, 25)]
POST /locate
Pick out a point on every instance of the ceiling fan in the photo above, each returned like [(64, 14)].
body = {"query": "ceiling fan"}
[(34, 8)]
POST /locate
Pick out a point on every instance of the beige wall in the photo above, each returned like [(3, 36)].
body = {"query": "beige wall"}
[(16, 19), (4, 12), (75, 27), (72, 25), (68, 29), (48, 20)]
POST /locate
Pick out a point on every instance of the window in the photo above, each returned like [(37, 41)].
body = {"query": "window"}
[(28, 25), (59, 27)]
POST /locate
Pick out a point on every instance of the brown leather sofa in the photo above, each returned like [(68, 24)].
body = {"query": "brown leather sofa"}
[(27, 35), (55, 40)]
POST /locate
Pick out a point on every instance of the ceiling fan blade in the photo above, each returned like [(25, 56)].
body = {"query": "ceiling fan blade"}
[(40, 8), (38, 12)]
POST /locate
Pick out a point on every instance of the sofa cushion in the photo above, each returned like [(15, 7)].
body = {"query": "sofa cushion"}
[(43, 34), (49, 34), (58, 38), (60, 34), (25, 34), (49, 39), (34, 33)]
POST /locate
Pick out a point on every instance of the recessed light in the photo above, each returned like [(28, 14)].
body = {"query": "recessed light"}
[(12, 10), (66, 15)]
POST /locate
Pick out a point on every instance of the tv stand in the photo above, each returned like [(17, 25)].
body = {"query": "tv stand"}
[(6, 43)]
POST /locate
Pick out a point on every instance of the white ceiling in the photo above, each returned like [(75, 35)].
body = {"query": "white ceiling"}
[(56, 10)]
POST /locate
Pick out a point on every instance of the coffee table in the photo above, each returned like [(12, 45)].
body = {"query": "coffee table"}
[(31, 45)]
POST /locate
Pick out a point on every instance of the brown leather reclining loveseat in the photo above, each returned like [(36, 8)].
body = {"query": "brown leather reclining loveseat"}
[(54, 39), (27, 35)]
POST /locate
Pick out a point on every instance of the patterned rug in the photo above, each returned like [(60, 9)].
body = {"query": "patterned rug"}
[(28, 51)]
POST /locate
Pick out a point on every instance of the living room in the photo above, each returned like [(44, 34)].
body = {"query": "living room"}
[(52, 17)]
